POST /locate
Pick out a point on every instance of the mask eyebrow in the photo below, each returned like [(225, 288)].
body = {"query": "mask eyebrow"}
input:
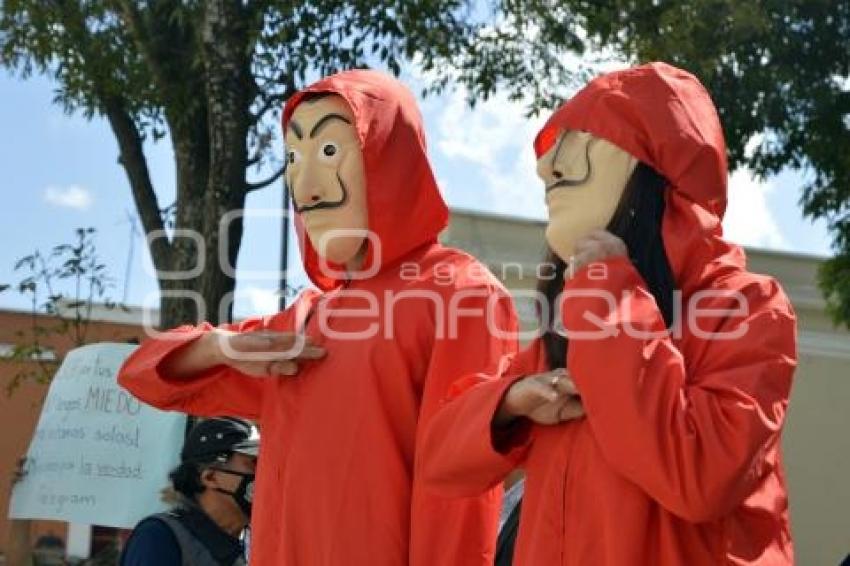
[(296, 129), (324, 120)]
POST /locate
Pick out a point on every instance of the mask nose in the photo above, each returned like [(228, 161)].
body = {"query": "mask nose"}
[(551, 173), (548, 171), (308, 201), (571, 161), (307, 190)]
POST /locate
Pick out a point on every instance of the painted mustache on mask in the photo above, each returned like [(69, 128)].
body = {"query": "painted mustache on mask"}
[(573, 182), (322, 204)]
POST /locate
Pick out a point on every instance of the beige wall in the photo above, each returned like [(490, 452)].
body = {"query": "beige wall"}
[(817, 433), (817, 459)]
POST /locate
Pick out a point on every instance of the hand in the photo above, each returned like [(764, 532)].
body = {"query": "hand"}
[(596, 246), (264, 352), (546, 398)]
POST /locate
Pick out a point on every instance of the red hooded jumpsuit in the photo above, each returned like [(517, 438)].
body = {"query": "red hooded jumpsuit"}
[(338, 479), (678, 459)]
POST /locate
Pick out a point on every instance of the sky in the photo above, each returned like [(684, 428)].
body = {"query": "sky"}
[(60, 172)]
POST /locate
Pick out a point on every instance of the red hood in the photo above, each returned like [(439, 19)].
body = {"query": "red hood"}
[(663, 116), (406, 210)]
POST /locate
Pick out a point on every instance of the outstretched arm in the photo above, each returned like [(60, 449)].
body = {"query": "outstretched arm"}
[(209, 371)]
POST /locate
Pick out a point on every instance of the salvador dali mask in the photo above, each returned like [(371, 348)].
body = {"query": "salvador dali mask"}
[(326, 176), (584, 177)]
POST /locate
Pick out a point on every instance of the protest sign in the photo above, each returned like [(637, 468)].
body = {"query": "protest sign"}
[(98, 454)]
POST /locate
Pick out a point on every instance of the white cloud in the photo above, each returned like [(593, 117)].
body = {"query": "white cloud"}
[(748, 219), (263, 301), (495, 139), (72, 196)]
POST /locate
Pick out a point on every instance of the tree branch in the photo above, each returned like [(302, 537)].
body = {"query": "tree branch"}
[(270, 102), (130, 143), (168, 52), (269, 99), (140, 34), (262, 184), (133, 160)]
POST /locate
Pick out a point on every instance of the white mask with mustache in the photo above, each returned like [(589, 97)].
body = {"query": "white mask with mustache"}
[(326, 174), (585, 178)]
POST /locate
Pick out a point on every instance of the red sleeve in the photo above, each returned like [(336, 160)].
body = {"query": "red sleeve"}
[(459, 530), (460, 455), (221, 391), (692, 429)]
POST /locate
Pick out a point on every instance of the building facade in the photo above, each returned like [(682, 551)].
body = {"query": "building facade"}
[(20, 407)]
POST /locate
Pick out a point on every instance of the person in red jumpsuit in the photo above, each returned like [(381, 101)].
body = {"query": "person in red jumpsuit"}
[(648, 416), (343, 381)]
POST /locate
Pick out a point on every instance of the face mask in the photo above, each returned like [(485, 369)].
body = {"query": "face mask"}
[(585, 178), (326, 175), (244, 494)]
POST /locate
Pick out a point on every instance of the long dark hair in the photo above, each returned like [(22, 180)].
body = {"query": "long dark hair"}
[(637, 222), (186, 479)]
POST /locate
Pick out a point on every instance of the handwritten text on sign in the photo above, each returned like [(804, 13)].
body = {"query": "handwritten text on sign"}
[(98, 455)]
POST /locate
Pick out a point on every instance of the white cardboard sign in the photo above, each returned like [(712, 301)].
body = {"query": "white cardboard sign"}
[(98, 455)]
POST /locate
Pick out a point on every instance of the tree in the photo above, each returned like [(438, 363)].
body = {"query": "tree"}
[(46, 279), (776, 68), (214, 73)]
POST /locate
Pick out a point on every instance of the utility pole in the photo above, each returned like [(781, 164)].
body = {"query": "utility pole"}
[(284, 247)]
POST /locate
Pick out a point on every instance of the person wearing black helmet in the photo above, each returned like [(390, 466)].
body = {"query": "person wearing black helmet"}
[(214, 484)]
